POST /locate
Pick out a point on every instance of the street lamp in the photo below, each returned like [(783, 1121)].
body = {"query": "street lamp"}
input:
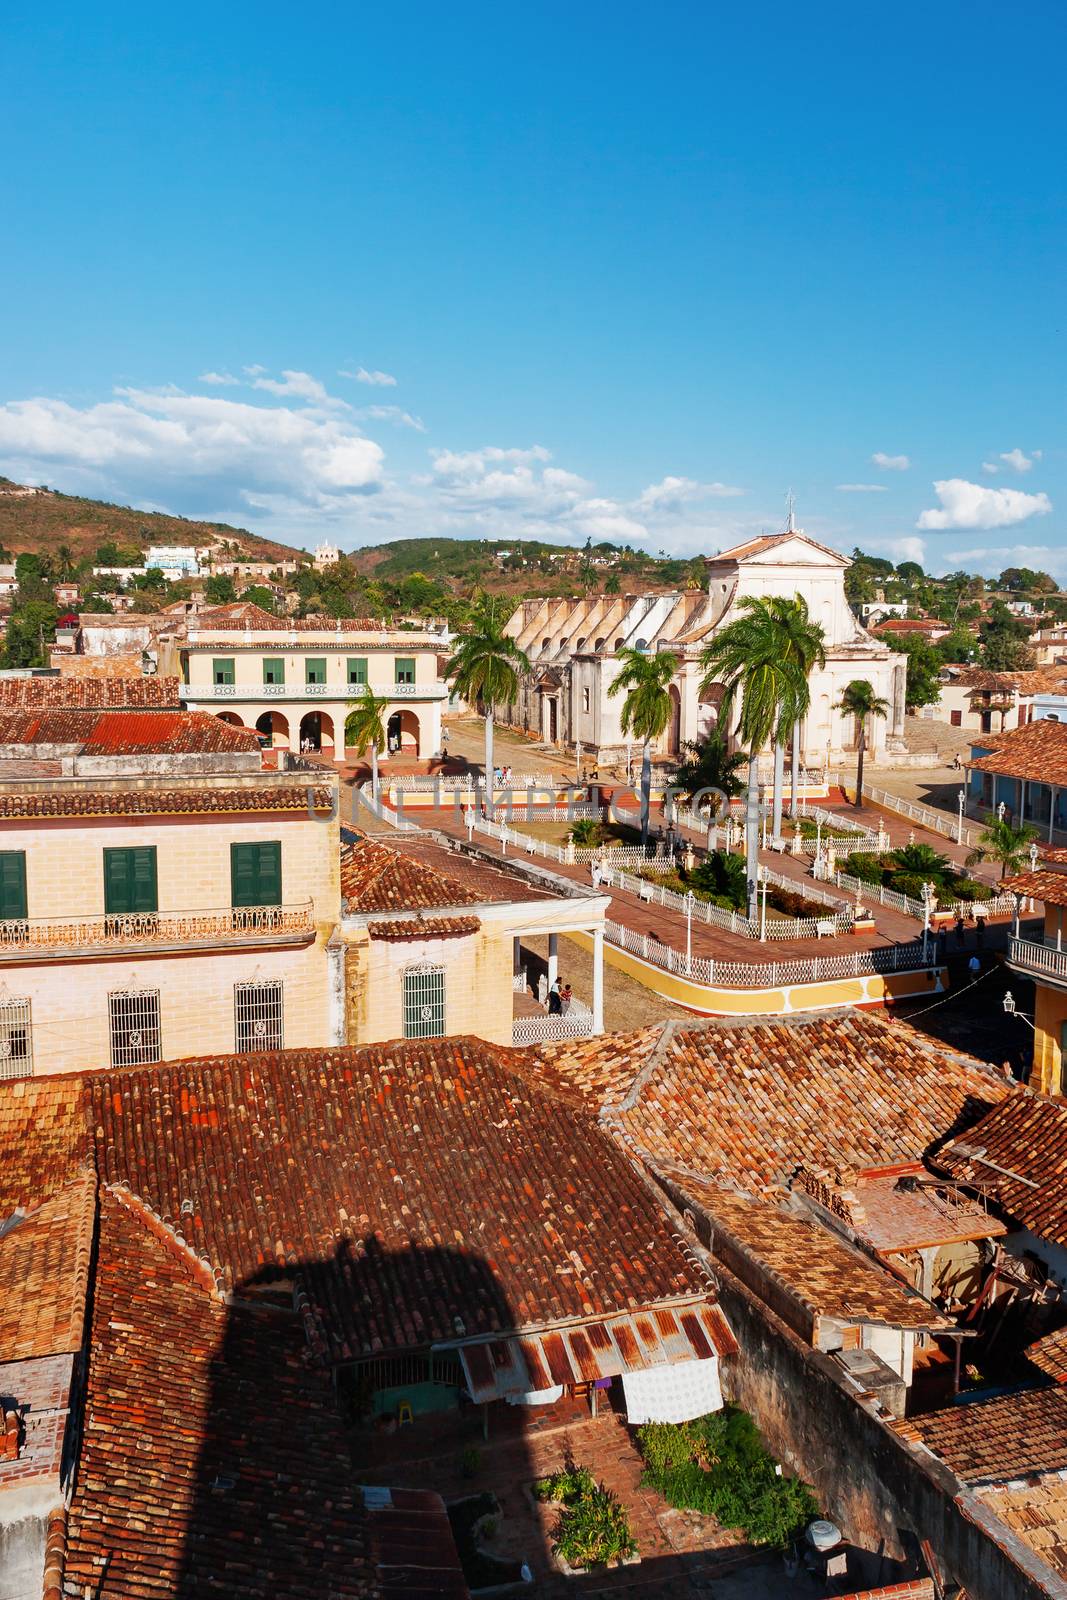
[(929, 896), (763, 912), (1033, 855), (959, 826), (689, 932), (1010, 1010), (1001, 808)]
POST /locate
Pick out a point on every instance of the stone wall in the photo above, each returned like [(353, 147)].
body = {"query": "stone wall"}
[(881, 1488)]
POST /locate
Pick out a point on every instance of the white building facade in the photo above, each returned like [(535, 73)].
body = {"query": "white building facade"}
[(574, 645)]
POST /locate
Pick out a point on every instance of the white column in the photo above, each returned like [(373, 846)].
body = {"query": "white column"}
[(553, 959), (598, 980), (335, 977), (516, 955)]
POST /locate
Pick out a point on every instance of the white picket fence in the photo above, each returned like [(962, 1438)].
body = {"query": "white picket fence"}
[(770, 975), (734, 921), (543, 1030), (423, 783), (871, 894), (935, 821)]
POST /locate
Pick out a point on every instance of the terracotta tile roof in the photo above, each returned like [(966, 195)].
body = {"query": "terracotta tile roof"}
[(375, 877), (127, 732), (44, 1274), (92, 694), (432, 1186), (213, 1458), (756, 1101), (418, 874), (1017, 1155), (1049, 1354), (43, 1139), (1037, 1512), (601, 1069), (821, 1274), (260, 797), (1032, 680), (994, 1441), (397, 930), (1049, 887), (911, 1211), (1037, 752), (411, 1545)]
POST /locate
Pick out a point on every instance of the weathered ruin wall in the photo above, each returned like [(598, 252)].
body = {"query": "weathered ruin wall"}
[(868, 1478)]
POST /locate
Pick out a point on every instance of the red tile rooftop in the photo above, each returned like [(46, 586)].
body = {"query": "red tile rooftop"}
[(198, 799), (1036, 752), (407, 873), (996, 1441), (125, 732), (89, 693), (1017, 1155)]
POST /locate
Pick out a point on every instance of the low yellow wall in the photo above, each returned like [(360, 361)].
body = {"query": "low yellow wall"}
[(875, 989), (1050, 1014)]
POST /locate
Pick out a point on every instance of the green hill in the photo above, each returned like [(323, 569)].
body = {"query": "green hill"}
[(41, 523)]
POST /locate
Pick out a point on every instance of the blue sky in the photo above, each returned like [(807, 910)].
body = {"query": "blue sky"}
[(630, 272)]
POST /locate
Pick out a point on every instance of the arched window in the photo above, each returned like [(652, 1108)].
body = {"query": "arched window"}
[(642, 644), (545, 644), (580, 642), (618, 644), (598, 644)]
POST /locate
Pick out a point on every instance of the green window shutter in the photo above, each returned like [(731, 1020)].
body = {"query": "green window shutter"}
[(256, 874), (357, 670), (315, 669), (405, 669), (273, 669), (222, 669), (12, 885), (130, 880)]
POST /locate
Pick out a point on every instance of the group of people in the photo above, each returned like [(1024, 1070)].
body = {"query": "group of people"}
[(501, 777), (559, 999)]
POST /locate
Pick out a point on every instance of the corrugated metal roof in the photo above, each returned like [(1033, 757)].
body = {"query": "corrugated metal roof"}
[(661, 1336)]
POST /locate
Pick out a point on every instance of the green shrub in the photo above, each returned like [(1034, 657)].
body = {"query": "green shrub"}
[(571, 1483), (593, 1530), (867, 868), (718, 1465), (587, 832)]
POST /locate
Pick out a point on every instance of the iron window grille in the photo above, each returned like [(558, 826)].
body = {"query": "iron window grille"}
[(135, 1032), (424, 1002), (258, 1016), (16, 1038)]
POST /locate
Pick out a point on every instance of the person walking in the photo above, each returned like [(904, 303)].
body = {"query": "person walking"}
[(555, 1002), (979, 932), (565, 999), (961, 935)]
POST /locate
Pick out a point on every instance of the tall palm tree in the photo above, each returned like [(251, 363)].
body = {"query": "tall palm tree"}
[(364, 731), (711, 765), (485, 670), (1003, 841), (746, 659), (803, 645), (646, 678), (859, 700)]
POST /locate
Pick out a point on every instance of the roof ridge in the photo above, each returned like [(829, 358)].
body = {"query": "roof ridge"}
[(199, 1268)]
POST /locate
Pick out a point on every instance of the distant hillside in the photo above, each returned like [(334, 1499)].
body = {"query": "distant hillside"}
[(518, 566), (42, 522)]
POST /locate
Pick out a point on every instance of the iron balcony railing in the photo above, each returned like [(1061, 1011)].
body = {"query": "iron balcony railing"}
[(311, 691), (1037, 960), (62, 937)]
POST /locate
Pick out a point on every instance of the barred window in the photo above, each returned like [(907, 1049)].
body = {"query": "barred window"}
[(424, 1002), (16, 1038), (134, 1027), (257, 1011)]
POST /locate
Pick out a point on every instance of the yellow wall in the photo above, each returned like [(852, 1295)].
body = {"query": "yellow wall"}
[(248, 662), (68, 995), (1050, 1014), (478, 992), (65, 872), (69, 1001)]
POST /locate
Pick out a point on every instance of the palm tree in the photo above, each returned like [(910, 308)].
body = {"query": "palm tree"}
[(646, 711), (859, 700), (485, 670), (803, 645), (711, 765), (747, 658), (1003, 841), (364, 731)]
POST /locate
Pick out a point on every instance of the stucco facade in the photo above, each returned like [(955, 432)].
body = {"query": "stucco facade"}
[(574, 645), (294, 683), (192, 973)]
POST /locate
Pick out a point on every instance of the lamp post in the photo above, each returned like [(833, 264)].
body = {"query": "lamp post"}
[(959, 825), (763, 912), (578, 762), (1001, 808), (468, 818), (928, 899), (689, 933), (1033, 855)]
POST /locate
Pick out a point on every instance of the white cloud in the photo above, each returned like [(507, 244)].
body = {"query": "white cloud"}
[(301, 385), (377, 380), (403, 419), (147, 439), (862, 488), (992, 559), (672, 494), (217, 378), (969, 505), (1018, 461), (890, 463), (906, 548), (253, 371), (990, 467)]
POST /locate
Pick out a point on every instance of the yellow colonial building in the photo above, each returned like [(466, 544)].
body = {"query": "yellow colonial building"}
[(293, 681), (160, 894), (1044, 962)]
